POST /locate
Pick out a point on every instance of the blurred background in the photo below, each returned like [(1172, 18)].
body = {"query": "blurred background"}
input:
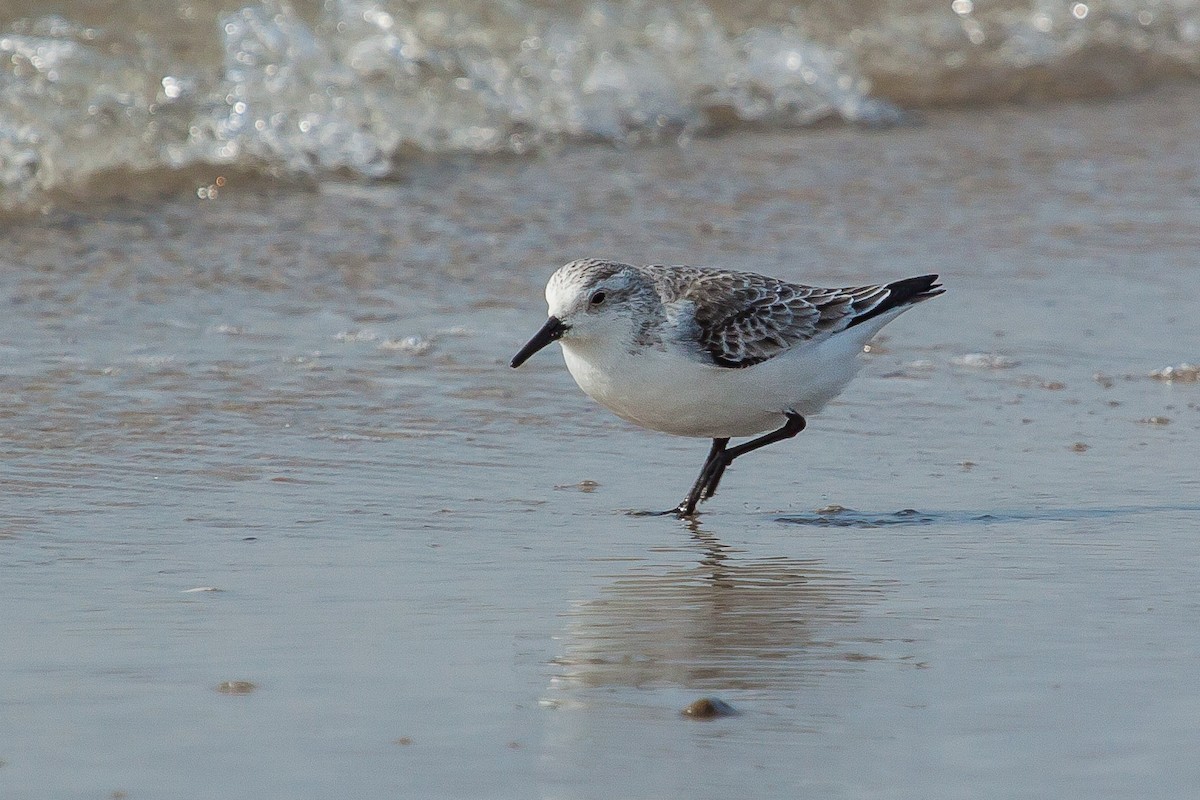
[(94, 94)]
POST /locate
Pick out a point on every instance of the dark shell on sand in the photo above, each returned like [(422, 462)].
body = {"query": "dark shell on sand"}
[(708, 708)]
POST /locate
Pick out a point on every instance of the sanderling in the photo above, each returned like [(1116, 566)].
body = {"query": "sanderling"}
[(712, 353)]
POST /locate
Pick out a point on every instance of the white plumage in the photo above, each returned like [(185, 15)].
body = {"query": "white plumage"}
[(713, 353)]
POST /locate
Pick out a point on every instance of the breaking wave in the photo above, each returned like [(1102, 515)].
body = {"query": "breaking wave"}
[(360, 86)]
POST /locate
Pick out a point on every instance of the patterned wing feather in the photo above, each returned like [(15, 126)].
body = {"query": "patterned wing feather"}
[(754, 324), (741, 319)]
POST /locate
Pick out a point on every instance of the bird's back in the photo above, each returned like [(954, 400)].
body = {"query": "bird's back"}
[(737, 350)]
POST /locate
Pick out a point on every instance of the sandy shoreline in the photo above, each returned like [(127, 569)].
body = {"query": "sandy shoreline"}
[(301, 398)]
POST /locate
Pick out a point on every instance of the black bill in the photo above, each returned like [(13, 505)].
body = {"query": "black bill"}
[(552, 331)]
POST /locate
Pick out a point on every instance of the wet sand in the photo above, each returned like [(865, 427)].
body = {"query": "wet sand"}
[(300, 398)]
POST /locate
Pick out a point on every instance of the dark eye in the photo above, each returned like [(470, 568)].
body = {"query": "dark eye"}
[(597, 298)]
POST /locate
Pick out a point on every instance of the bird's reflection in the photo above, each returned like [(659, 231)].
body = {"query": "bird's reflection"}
[(726, 621)]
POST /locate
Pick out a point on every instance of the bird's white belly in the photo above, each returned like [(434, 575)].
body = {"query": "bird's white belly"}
[(668, 392)]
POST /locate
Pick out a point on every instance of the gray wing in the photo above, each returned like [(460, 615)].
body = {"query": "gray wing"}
[(742, 319)]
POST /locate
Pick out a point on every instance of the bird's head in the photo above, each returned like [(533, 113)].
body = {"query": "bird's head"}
[(589, 300)]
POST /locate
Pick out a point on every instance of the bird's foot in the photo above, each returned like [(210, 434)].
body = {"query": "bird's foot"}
[(680, 511), (640, 513), (683, 510)]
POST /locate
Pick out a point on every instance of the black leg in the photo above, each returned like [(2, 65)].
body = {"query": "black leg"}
[(687, 506), (719, 458)]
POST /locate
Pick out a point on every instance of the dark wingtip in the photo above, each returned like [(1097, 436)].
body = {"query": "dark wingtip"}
[(904, 292), (913, 290)]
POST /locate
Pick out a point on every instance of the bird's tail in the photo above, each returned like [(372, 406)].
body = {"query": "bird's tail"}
[(903, 293)]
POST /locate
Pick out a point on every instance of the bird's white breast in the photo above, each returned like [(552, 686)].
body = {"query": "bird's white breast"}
[(669, 390)]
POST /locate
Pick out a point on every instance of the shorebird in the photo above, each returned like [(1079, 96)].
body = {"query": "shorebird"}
[(713, 353)]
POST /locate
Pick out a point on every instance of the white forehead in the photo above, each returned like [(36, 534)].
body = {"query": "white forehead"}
[(570, 281)]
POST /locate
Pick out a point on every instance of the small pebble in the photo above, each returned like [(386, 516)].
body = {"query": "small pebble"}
[(1183, 373), (236, 687), (412, 345), (985, 361), (583, 486), (708, 708), (1078, 447), (357, 336)]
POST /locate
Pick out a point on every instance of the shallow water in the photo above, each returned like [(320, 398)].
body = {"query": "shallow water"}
[(300, 399)]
